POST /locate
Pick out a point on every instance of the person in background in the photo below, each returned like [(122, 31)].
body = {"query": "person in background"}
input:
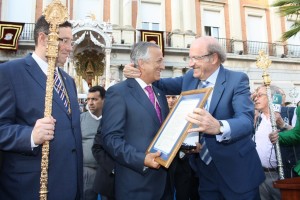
[(228, 165), (289, 137), (23, 129), (264, 147), (132, 114), (171, 99), (90, 121)]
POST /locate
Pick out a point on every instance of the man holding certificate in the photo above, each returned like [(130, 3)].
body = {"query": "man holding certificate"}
[(228, 164), (132, 114)]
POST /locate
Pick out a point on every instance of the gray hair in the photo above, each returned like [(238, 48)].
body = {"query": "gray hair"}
[(140, 51), (273, 88), (215, 47)]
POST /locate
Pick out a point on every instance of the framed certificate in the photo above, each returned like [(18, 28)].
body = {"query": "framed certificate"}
[(173, 131)]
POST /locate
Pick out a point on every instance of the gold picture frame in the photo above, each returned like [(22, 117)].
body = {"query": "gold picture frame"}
[(174, 129)]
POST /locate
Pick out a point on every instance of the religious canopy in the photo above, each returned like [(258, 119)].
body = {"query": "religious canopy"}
[(9, 35)]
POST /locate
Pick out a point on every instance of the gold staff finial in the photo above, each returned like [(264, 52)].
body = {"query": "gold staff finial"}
[(263, 62), (55, 14)]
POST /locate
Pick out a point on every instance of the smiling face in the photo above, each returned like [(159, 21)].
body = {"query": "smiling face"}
[(151, 68), (203, 62), (64, 48)]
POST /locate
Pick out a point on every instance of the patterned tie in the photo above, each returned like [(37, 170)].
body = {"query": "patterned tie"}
[(204, 153), (60, 89), (152, 99)]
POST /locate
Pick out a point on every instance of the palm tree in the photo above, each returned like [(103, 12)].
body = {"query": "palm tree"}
[(289, 8)]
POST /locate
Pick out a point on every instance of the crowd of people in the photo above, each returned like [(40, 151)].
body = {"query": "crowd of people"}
[(102, 150)]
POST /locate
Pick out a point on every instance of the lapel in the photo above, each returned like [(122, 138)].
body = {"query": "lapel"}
[(35, 71), (138, 93), (218, 90), (38, 75), (160, 98)]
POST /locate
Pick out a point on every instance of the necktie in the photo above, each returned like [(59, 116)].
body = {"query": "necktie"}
[(152, 99), (204, 153), (60, 89)]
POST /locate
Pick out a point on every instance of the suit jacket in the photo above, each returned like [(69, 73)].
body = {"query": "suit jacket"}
[(129, 124), (105, 178), (22, 102), (292, 137), (236, 159)]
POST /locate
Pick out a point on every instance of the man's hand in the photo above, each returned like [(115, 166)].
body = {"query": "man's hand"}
[(273, 137), (43, 130), (279, 121), (130, 71), (150, 162), (205, 121)]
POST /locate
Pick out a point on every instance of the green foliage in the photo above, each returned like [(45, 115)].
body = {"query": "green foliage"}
[(289, 8)]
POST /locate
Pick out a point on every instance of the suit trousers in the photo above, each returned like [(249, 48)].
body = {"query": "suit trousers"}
[(266, 189), (89, 174), (213, 186)]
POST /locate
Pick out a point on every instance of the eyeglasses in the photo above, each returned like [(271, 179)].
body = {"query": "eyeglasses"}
[(66, 41), (197, 58), (260, 95)]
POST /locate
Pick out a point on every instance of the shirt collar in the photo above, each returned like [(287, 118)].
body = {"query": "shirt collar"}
[(42, 64), (94, 116), (141, 83), (213, 78)]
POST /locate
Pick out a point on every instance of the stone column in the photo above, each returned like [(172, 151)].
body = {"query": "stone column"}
[(175, 14), (187, 9), (115, 12), (107, 67), (114, 73), (127, 13), (177, 71)]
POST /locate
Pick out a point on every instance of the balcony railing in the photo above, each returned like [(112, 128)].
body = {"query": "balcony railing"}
[(27, 33), (253, 47), (293, 50), (230, 45)]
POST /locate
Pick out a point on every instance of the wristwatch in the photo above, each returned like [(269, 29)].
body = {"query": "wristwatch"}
[(221, 127)]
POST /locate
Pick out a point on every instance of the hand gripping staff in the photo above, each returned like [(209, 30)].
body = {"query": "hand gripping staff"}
[(55, 14)]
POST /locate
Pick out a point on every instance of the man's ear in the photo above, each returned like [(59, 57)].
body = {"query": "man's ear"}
[(214, 58), (140, 64), (42, 39)]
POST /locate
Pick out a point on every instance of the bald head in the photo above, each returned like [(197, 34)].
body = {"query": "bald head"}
[(211, 45)]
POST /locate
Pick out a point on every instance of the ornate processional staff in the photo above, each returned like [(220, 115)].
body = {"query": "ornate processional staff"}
[(264, 62), (55, 14)]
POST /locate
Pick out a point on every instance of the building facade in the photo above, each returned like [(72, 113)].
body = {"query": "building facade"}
[(105, 30)]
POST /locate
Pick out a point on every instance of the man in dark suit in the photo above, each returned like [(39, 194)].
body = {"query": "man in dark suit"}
[(129, 123), (231, 168), (23, 129)]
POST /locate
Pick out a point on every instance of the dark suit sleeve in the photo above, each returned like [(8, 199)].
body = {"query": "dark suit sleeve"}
[(13, 136), (101, 156), (114, 116)]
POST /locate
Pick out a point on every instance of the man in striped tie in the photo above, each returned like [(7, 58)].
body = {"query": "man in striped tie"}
[(23, 129), (228, 164)]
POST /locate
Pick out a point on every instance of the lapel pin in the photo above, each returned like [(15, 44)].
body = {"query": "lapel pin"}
[(158, 94)]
